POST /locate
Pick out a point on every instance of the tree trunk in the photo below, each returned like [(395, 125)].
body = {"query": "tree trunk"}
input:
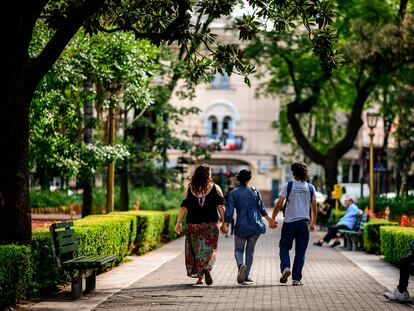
[(44, 179), (331, 173), (124, 193), (15, 217), (88, 139), (18, 80), (111, 165)]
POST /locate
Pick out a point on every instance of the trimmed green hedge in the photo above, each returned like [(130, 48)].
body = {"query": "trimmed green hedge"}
[(15, 273), (395, 242), (371, 235), (106, 234), (150, 224), (46, 275), (118, 233), (170, 222)]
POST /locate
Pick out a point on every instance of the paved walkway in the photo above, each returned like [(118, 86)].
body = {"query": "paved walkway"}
[(332, 282)]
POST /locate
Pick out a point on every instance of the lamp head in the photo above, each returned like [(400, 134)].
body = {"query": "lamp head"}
[(372, 118)]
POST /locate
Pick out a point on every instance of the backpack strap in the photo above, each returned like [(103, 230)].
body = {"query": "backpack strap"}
[(312, 193), (289, 189), (257, 195)]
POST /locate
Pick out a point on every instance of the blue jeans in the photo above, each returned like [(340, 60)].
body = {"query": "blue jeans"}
[(240, 246), (298, 231)]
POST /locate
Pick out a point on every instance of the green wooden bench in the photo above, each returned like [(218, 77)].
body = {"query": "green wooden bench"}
[(64, 249), (353, 239)]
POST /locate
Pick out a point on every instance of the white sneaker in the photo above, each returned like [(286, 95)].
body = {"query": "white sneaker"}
[(296, 283), (285, 274), (248, 281), (396, 295)]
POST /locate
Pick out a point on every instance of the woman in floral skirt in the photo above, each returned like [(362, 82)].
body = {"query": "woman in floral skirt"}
[(203, 204)]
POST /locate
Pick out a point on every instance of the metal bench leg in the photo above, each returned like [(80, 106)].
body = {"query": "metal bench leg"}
[(360, 243), (354, 245), (349, 243), (76, 288), (91, 281)]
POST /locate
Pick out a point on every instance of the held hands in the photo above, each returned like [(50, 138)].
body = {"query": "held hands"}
[(223, 228), (272, 224), (178, 228)]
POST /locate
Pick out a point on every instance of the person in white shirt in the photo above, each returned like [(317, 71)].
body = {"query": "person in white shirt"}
[(300, 198)]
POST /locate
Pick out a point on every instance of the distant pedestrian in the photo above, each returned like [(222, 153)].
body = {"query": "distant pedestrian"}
[(401, 293), (300, 198), (249, 207), (347, 222), (203, 204)]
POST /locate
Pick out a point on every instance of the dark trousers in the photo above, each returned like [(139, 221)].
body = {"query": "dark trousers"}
[(332, 231), (298, 231), (405, 269)]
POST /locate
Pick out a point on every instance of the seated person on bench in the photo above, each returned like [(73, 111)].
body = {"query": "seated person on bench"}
[(347, 222), (401, 293)]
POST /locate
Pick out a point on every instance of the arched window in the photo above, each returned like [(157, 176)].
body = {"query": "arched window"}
[(227, 125), (212, 126)]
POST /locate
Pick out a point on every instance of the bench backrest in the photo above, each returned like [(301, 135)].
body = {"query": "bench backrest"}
[(63, 241), (360, 222)]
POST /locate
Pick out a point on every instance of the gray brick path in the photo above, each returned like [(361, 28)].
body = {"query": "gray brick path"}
[(332, 282)]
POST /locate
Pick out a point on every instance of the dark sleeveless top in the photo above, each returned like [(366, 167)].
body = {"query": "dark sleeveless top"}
[(202, 209)]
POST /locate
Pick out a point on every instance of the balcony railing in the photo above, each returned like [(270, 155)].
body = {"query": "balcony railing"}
[(230, 143)]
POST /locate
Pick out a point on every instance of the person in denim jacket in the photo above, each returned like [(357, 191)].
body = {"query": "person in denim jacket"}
[(250, 209), (401, 293)]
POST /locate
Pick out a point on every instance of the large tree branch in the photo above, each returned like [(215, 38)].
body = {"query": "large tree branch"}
[(355, 122), (157, 37), (51, 52), (305, 106), (289, 63), (360, 74), (403, 9)]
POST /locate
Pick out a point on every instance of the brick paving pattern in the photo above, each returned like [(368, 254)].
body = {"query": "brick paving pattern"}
[(332, 282)]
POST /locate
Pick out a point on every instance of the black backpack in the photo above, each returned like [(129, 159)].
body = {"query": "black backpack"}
[(289, 190)]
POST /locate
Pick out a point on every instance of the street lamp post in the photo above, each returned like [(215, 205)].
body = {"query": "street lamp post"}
[(372, 120)]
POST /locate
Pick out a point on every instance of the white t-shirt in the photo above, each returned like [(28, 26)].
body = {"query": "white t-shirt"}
[(299, 200)]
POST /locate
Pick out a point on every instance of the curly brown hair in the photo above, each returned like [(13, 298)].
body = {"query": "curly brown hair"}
[(300, 170), (200, 179)]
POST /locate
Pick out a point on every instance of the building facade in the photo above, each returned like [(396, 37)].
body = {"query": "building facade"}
[(232, 116)]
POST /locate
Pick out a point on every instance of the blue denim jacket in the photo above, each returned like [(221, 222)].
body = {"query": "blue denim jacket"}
[(249, 213)]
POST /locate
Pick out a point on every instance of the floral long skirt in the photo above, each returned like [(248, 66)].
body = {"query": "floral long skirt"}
[(201, 242)]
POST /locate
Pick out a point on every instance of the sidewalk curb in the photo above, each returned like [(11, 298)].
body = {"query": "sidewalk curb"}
[(111, 282), (383, 272)]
